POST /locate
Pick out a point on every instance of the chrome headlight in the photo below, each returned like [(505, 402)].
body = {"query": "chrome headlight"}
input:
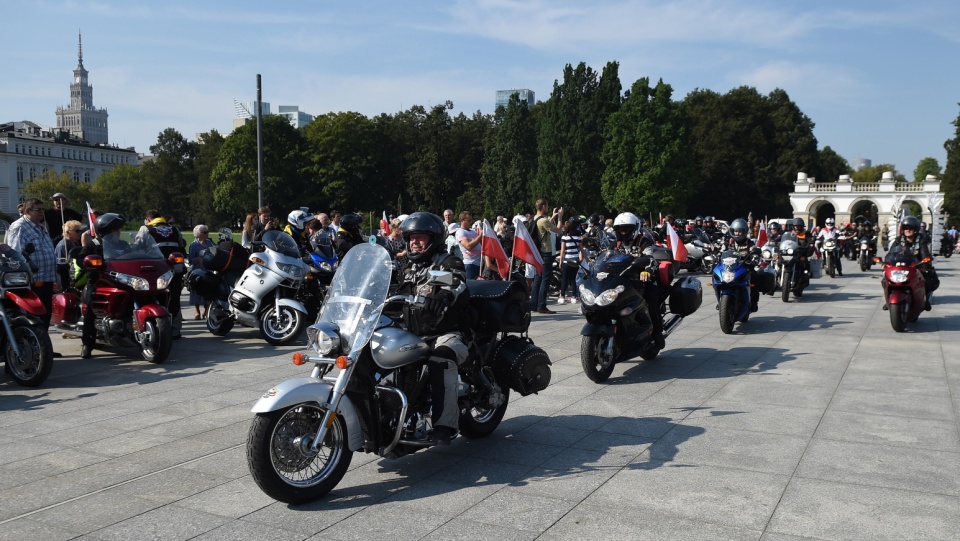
[(324, 338), (602, 299), (136, 282), (767, 254), (16, 279), (326, 267), (293, 269), (899, 276), (727, 275), (164, 281)]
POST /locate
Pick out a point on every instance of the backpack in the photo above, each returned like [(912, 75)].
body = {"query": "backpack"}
[(534, 231)]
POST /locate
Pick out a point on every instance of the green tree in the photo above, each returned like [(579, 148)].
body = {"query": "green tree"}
[(831, 166), (284, 163), (511, 160), (118, 190), (49, 183), (950, 185), (169, 178), (202, 206), (875, 172), (343, 156), (927, 166), (647, 154)]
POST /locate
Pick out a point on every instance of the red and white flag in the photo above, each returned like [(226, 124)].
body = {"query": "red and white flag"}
[(92, 219), (384, 224), (676, 245), (490, 246), (762, 234), (524, 247)]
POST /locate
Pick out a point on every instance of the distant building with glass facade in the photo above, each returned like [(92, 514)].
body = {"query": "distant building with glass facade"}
[(525, 94)]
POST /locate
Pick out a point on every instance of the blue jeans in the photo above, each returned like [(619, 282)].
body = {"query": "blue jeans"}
[(541, 284), (472, 270), (569, 278)]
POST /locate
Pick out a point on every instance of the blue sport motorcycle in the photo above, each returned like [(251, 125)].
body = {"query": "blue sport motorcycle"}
[(731, 283)]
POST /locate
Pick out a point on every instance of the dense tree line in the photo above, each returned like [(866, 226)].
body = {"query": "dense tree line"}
[(590, 147)]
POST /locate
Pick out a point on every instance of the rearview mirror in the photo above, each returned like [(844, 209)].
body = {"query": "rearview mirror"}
[(443, 278)]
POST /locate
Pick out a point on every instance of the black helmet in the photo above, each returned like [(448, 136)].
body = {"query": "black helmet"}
[(867, 223), (108, 223), (923, 225), (594, 219), (910, 222), (859, 219), (351, 222), (798, 224), (738, 229), (708, 220), (775, 226), (432, 225)]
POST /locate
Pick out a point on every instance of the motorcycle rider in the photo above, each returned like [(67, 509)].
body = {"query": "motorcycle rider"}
[(107, 224), (632, 240), (296, 227), (866, 230), (805, 247), (711, 229), (170, 240), (910, 237), (741, 243), (348, 234), (925, 236), (831, 232), (443, 313), (774, 233)]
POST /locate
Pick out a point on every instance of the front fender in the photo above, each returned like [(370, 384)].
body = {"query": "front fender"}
[(590, 329), (148, 311), (898, 296), (27, 300), (293, 303), (299, 390)]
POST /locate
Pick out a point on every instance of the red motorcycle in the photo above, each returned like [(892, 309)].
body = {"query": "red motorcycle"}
[(129, 300), (903, 286), (25, 346)]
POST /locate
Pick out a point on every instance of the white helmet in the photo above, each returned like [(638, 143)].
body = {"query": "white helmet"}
[(829, 221), (625, 225), (299, 219)]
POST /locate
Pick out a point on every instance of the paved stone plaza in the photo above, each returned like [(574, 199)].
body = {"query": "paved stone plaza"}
[(812, 421)]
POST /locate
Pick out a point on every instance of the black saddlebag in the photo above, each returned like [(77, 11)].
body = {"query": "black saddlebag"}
[(203, 283), (766, 282), (225, 256), (686, 295), (522, 365), (500, 306)]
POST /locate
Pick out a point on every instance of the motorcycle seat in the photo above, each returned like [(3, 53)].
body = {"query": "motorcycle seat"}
[(501, 306)]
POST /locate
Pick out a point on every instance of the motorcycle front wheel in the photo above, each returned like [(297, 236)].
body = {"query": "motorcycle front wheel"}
[(280, 459), (786, 284), (728, 313), (864, 265), (596, 364), (219, 320), (898, 316), (35, 362), (479, 421), (158, 339), (283, 328)]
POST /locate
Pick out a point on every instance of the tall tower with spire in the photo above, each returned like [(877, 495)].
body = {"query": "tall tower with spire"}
[(81, 118)]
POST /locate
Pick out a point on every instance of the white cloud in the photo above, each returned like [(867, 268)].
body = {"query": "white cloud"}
[(827, 85)]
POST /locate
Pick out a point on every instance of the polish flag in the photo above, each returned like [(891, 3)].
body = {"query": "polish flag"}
[(384, 224), (490, 246), (92, 219), (524, 248), (676, 245), (762, 235)]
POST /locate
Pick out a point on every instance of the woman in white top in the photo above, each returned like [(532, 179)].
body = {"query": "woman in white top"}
[(571, 254)]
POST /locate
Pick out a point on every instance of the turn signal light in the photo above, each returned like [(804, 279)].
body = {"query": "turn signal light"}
[(258, 261), (342, 362), (927, 260), (299, 358)]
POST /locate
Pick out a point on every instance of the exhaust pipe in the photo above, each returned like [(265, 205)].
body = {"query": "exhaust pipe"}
[(671, 325)]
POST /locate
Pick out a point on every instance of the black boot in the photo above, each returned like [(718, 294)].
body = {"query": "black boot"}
[(85, 352)]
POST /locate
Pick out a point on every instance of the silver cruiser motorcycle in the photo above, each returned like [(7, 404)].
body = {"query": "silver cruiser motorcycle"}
[(265, 296), (306, 429)]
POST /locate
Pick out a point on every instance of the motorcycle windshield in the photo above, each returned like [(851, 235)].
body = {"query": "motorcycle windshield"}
[(788, 241), (117, 249), (355, 297), (901, 256), (281, 242), (611, 262)]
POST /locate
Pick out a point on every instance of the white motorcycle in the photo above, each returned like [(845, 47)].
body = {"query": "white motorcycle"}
[(306, 429), (265, 295)]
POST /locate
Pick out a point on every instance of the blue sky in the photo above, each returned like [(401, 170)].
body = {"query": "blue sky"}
[(874, 76)]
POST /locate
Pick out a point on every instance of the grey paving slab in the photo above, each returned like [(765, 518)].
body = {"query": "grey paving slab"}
[(812, 421)]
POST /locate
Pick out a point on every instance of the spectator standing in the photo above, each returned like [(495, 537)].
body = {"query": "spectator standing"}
[(543, 226), (200, 243), (334, 223), (72, 231), (55, 218), (448, 218), (469, 241), (571, 254), (256, 225), (29, 229)]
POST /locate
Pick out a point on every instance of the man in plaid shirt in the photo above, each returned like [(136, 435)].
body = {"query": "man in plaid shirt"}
[(29, 228)]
